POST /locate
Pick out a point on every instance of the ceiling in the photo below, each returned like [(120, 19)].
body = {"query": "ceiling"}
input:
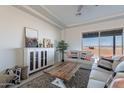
[(64, 16)]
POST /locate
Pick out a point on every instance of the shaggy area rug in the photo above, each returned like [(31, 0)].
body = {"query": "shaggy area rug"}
[(80, 80)]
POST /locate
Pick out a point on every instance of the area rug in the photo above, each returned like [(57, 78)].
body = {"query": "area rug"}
[(80, 80)]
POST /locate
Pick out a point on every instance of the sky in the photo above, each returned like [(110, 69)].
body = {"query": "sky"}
[(104, 41)]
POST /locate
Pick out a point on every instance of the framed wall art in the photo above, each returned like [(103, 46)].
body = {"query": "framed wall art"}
[(46, 43), (31, 37)]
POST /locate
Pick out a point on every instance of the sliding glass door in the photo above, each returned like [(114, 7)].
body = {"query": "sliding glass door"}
[(106, 43), (119, 45), (91, 42)]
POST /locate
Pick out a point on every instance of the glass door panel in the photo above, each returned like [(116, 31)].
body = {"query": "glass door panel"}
[(106, 46), (118, 42), (91, 43), (109, 43)]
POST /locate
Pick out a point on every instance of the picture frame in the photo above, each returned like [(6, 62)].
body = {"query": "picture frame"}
[(31, 37), (46, 43)]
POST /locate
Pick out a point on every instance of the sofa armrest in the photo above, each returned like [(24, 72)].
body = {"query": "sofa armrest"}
[(108, 59)]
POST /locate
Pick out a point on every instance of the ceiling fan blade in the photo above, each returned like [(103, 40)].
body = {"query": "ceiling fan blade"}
[(79, 8)]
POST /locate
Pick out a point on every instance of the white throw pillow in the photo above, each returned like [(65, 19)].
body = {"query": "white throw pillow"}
[(115, 64), (74, 54)]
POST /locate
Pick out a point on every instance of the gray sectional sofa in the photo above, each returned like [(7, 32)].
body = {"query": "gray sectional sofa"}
[(80, 57), (101, 77)]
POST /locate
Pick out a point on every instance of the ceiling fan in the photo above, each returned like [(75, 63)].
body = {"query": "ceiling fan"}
[(79, 9)]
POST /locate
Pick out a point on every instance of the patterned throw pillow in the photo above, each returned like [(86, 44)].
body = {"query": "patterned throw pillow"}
[(16, 72), (104, 64), (24, 72)]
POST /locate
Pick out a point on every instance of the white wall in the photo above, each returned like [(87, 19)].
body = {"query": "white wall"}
[(12, 23), (73, 35)]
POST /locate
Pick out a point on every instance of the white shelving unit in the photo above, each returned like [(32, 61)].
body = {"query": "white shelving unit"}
[(38, 58)]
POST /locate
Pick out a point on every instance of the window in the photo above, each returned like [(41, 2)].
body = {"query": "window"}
[(107, 43), (119, 47), (91, 42)]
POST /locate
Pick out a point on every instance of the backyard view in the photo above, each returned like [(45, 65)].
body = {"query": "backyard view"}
[(103, 46), (106, 51)]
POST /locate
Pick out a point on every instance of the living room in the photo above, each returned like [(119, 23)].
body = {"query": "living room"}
[(61, 46)]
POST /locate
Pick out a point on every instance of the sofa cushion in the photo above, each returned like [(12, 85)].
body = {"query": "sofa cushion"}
[(86, 55), (71, 59), (95, 84), (99, 75), (95, 67), (72, 54), (105, 64)]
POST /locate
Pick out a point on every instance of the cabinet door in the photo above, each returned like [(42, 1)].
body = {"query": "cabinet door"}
[(46, 55), (36, 60), (42, 58), (31, 61)]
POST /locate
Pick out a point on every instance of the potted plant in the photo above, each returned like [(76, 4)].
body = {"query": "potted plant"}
[(62, 46)]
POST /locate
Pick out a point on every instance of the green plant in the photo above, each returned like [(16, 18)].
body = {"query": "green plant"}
[(62, 46)]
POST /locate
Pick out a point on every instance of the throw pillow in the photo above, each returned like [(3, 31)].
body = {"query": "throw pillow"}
[(104, 64), (115, 64), (24, 72), (16, 72), (121, 59), (68, 54), (107, 59), (5, 80), (118, 83), (120, 67), (74, 54)]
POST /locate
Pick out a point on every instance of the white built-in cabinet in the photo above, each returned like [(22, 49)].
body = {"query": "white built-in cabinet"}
[(38, 58)]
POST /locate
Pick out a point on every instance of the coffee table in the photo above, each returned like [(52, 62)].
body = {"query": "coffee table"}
[(62, 72)]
